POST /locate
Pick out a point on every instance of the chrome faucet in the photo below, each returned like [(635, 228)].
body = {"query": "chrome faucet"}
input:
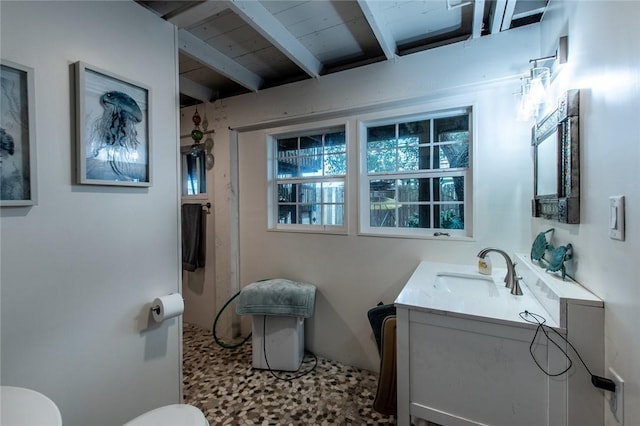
[(512, 280)]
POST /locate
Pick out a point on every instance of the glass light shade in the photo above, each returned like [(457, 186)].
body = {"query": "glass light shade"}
[(540, 77), (526, 109)]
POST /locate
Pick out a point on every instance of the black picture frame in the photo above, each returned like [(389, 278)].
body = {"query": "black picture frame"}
[(18, 172), (112, 129)]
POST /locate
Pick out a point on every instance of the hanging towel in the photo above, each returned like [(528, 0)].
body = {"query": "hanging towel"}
[(193, 237)]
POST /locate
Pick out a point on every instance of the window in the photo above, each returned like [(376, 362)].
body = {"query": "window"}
[(194, 171), (308, 181), (416, 175)]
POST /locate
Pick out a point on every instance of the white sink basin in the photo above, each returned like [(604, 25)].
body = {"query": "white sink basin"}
[(460, 290), (465, 285)]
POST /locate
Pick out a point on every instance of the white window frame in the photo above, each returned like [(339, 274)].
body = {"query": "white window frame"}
[(272, 179), (364, 227)]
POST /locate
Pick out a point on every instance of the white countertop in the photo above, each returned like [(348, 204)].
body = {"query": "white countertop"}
[(567, 289), (498, 305), (552, 291)]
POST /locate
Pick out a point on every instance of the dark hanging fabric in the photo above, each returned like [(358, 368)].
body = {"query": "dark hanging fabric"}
[(193, 236), (376, 316)]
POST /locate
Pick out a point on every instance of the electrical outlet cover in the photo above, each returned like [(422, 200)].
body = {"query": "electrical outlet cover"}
[(616, 400)]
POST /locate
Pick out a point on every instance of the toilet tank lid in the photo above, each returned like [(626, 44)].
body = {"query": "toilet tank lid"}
[(171, 415)]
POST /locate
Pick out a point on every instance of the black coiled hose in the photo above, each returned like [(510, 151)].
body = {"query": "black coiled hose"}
[(215, 323)]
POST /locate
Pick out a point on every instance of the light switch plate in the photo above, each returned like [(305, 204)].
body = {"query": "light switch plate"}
[(616, 217)]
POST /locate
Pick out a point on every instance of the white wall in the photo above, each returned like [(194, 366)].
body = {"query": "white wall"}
[(604, 62), (80, 269), (353, 273)]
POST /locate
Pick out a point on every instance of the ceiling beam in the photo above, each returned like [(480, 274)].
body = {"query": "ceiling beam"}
[(196, 91), (380, 31), (508, 15), (478, 15), (204, 53), (196, 14), (498, 14), (261, 20)]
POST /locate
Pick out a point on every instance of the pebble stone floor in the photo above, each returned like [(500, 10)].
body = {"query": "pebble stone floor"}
[(222, 384)]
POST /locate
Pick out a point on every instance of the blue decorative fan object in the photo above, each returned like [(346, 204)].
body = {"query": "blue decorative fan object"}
[(540, 246), (558, 256)]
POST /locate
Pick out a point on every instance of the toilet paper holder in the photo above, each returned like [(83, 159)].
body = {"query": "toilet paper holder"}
[(166, 307)]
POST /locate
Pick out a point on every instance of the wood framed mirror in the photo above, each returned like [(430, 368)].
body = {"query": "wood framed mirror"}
[(556, 162)]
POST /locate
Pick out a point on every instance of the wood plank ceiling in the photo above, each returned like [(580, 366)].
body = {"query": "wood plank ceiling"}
[(231, 47)]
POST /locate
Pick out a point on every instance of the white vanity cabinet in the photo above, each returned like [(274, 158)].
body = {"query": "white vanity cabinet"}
[(466, 361)]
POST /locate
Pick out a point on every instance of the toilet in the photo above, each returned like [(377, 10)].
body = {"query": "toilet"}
[(171, 415), (22, 406)]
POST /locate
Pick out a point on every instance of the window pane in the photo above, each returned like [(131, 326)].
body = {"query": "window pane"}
[(286, 214), (381, 161), (194, 173), (381, 149), (287, 158), (449, 189), (335, 164), (287, 147), (413, 190), (449, 216), (287, 193), (380, 216), (333, 192), (383, 204), (413, 133), (445, 127), (309, 214), (455, 131), (382, 188), (381, 137), (335, 142), (408, 158), (311, 145), (311, 166), (414, 216), (451, 155), (333, 214), (310, 192), (287, 169)]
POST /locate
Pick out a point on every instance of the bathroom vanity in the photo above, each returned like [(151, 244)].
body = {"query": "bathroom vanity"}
[(463, 348)]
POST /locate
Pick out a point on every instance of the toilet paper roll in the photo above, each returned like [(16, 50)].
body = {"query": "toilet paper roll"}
[(166, 307)]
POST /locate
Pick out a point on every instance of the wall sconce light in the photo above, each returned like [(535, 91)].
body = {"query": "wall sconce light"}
[(533, 88)]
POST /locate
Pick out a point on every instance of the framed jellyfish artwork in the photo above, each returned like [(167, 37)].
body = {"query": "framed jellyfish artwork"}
[(112, 126), (17, 136)]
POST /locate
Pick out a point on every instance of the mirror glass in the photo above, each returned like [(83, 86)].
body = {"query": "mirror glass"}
[(546, 167), (193, 170)]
